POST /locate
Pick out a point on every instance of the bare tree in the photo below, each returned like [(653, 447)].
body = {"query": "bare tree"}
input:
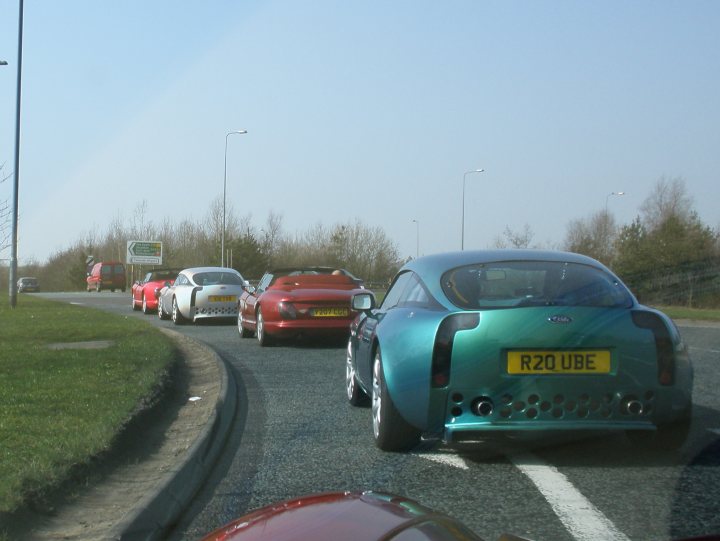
[(594, 236), (668, 199), (5, 215), (515, 239)]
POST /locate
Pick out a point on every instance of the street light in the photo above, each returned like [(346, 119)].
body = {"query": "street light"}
[(608, 197), (222, 239), (462, 238), (417, 249), (12, 274)]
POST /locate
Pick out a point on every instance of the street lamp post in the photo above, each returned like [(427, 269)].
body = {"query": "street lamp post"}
[(608, 197), (462, 237), (417, 237), (12, 276), (222, 237)]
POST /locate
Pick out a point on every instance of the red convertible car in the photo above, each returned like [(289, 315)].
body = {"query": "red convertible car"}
[(144, 291), (293, 302), (350, 516)]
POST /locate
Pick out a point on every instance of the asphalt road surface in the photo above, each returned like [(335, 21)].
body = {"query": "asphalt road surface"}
[(296, 434)]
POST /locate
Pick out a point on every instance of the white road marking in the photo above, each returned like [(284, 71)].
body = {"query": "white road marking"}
[(446, 459), (579, 516), (705, 350)]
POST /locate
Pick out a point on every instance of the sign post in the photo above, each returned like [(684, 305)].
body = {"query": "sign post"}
[(144, 252)]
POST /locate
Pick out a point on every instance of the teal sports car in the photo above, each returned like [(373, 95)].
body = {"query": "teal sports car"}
[(469, 344)]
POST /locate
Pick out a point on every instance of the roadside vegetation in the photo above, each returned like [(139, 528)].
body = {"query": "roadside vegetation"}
[(61, 407), (666, 255)]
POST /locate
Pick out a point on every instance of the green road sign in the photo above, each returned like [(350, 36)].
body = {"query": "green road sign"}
[(142, 251)]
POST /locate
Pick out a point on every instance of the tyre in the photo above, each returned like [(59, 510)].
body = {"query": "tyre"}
[(355, 395), (161, 313), (262, 336), (244, 333), (97, 287), (177, 317), (391, 431), (132, 303), (145, 308), (668, 437)]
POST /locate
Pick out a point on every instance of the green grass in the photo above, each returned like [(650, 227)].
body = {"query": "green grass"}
[(59, 408), (680, 312)]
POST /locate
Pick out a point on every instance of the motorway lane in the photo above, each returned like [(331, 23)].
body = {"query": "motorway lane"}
[(295, 434)]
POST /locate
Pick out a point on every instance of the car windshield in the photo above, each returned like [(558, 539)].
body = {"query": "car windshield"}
[(162, 275), (217, 278), (533, 283)]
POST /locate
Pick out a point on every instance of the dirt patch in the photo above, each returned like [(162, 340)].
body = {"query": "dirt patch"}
[(144, 455), (94, 344)]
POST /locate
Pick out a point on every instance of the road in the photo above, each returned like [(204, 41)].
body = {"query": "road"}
[(296, 434)]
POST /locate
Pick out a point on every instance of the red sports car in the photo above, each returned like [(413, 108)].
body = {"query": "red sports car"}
[(293, 302), (144, 291), (350, 516)]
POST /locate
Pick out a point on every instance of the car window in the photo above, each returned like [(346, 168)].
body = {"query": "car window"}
[(217, 278), (265, 282), (416, 294), (392, 298), (533, 283)]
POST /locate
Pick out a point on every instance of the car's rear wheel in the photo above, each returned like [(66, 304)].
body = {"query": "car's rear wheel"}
[(391, 431), (97, 287), (262, 335), (177, 317), (145, 308), (161, 313), (244, 333), (355, 395), (667, 437), (132, 303)]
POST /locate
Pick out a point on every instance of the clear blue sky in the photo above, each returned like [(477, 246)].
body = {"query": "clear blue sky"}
[(369, 110)]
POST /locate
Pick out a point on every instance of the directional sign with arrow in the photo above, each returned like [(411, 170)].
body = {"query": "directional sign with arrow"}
[(142, 251)]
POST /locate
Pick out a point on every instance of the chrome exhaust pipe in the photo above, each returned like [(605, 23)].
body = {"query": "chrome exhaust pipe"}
[(482, 406), (633, 407)]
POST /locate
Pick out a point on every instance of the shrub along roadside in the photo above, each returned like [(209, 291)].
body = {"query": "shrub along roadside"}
[(59, 408)]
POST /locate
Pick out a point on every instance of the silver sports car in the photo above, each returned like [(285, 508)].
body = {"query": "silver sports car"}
[(201, 293)]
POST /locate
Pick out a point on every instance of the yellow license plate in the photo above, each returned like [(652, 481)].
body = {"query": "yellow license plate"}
[(221, 298), (558, 362), (330, 312)]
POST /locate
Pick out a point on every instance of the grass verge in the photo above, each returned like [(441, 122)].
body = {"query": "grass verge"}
[(680, 312), (59, 408)]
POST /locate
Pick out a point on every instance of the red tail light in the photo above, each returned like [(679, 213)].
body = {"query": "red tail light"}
[(442, 351), (664, 347), (287, 310)]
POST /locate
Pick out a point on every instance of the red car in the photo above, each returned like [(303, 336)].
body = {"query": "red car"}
[(349, 516), (144, 292), (293, 302)]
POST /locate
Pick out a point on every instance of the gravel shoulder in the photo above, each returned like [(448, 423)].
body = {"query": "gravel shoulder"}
[(103, 499)]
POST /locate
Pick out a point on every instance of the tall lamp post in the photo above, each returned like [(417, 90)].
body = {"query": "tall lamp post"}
[(462, 238), (417, 237), (12, 286), (222, 237), (608, 197)]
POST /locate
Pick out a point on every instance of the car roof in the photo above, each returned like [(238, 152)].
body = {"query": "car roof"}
[(431, 268), (196, 270)]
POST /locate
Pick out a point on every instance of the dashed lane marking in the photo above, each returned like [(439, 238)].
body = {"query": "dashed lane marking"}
[(580, 517)]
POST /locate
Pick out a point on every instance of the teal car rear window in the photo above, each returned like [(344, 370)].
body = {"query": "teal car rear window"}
[(515, 284)]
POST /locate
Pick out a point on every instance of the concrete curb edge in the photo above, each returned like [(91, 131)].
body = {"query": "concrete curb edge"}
[(158, 510)]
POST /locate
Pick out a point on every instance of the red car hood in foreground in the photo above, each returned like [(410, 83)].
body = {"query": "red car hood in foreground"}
[(349, 516)]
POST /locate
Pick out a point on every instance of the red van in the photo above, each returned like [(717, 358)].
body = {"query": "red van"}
[(107, 275)]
